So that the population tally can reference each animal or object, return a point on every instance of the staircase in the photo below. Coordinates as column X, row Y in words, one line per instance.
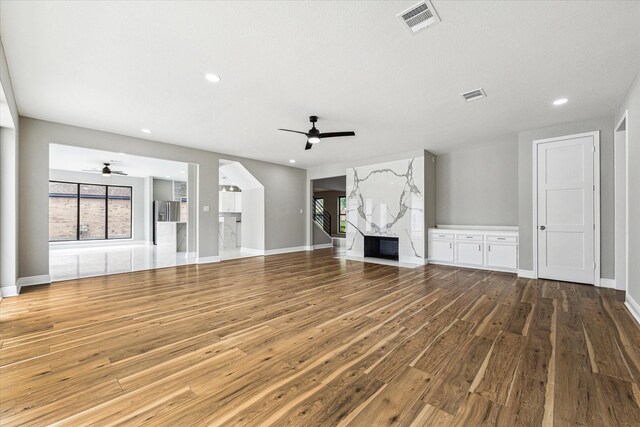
column 321, row 217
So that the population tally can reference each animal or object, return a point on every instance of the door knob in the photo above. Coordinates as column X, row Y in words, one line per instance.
column 542, row 227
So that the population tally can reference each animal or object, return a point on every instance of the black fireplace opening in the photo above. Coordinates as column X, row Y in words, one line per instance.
column 381, row 247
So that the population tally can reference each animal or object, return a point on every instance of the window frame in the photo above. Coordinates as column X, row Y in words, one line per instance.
column 340, row 215
column 106, row 212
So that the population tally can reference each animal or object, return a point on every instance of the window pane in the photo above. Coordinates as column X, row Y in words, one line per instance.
column 92, row 211
column 119, row 217
column 63, row 211
column 343, row 205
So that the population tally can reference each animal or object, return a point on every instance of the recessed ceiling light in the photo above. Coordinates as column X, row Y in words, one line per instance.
column 145, row 130
column 560, row 101
column 292, row 161
column 182, row 172
column 122, row 154
column 212, row 77
column 168, row 176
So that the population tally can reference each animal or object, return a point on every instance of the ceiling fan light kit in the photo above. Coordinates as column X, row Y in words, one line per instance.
column 314, row 135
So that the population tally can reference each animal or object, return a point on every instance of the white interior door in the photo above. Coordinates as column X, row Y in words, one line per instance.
column 566, row 209
column 620, row 207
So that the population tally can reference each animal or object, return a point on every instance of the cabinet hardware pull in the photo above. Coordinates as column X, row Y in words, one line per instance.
column 450, row 247
column 479, row 247
column 489, row 248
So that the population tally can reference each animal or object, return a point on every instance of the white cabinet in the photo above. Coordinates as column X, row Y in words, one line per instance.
column 229, row 201
column 501, row 256
column 441, row 250
column 488, row 249
column 469, row 253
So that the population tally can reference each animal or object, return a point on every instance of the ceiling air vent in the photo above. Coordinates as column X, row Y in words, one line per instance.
column 474, row 94
column 419, row 17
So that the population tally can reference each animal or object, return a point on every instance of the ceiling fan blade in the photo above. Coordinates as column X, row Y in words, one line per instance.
column 308, row 146
column 335, row 134
column 118, row 173
column 91, row 170
column 294, row 131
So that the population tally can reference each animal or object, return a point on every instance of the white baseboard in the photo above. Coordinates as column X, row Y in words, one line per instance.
column 33, row 280
column 527, row 274
column 413, row 260
column 608, row 283
column 474, row 267
column 252, row 251
column 323, row 246
column 9, row 291
column 633, row 307
column 208, row 259
column 288, row 250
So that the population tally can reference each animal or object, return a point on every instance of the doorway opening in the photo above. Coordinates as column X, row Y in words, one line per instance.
column 103, row 213
column 241, row 212
column 329, row 213
column 566, row 208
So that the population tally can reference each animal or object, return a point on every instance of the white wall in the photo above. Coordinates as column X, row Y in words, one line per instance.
column 139, row 213
column 631, row 104
column 478, row 186
column 253, row 218
column 9, row 172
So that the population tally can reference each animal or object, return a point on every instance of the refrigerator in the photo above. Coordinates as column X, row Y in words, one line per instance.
column 164, row 211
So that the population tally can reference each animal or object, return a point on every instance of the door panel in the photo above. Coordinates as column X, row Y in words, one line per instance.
column 566, row 209
column 502, row 256
column 441, row 251
column 469, row 253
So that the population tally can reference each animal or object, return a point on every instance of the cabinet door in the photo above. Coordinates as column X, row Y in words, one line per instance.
column 237, row 202
column 441, row 251
column 502, row 256
column 226, row 201
column 469, row 253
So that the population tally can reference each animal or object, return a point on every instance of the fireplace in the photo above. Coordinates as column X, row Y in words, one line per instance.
column 381, row 247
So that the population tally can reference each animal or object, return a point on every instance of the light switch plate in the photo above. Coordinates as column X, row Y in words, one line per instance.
column 300, row 210
column 205, row 209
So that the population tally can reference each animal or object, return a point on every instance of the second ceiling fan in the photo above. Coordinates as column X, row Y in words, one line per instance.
column 314, row 135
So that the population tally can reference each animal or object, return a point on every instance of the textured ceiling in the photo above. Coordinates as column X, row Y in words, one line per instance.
column 123, row 66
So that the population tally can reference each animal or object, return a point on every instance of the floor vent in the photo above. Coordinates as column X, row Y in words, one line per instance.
column 419, row 17
column 474, row 94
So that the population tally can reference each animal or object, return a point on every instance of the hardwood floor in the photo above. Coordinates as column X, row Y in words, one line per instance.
column 307, row 339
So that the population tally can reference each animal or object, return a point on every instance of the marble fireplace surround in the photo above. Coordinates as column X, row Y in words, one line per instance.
column 387, row 200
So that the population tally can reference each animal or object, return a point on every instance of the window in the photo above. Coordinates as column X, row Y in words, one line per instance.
column 342, row 214
column 89, row 211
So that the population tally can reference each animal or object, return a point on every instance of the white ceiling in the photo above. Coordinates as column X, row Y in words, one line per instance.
column 65, row 157
column 123, row 66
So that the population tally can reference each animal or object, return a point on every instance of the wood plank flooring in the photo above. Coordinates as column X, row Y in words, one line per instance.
column 307, row 339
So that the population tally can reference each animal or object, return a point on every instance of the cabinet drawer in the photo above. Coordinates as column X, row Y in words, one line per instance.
column 470, row 237
column 441, row 236
column 502, row 239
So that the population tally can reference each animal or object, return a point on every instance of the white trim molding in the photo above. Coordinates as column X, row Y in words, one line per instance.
column 288, row 250
column 527, row 274
column 323, row 246
column 33, row 280
column 607, row 283
column 208, row 260
column 633, row 307
column 9, row 291
column 251, row 251
column 480, row 227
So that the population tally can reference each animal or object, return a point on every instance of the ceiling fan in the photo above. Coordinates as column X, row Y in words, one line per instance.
column 105, row 171
column 314, row 135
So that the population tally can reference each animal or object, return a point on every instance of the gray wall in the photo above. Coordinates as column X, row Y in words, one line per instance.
column 632, row 104
column 479, row 186
column 162, row 190
column 525, row 187
column 138, row 187
column 284, row 188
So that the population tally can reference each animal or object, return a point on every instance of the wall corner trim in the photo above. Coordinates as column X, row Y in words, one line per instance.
column 33, row 280
column 208, row 259
column 633, row 307
column 527, row 274
column 9, row 291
